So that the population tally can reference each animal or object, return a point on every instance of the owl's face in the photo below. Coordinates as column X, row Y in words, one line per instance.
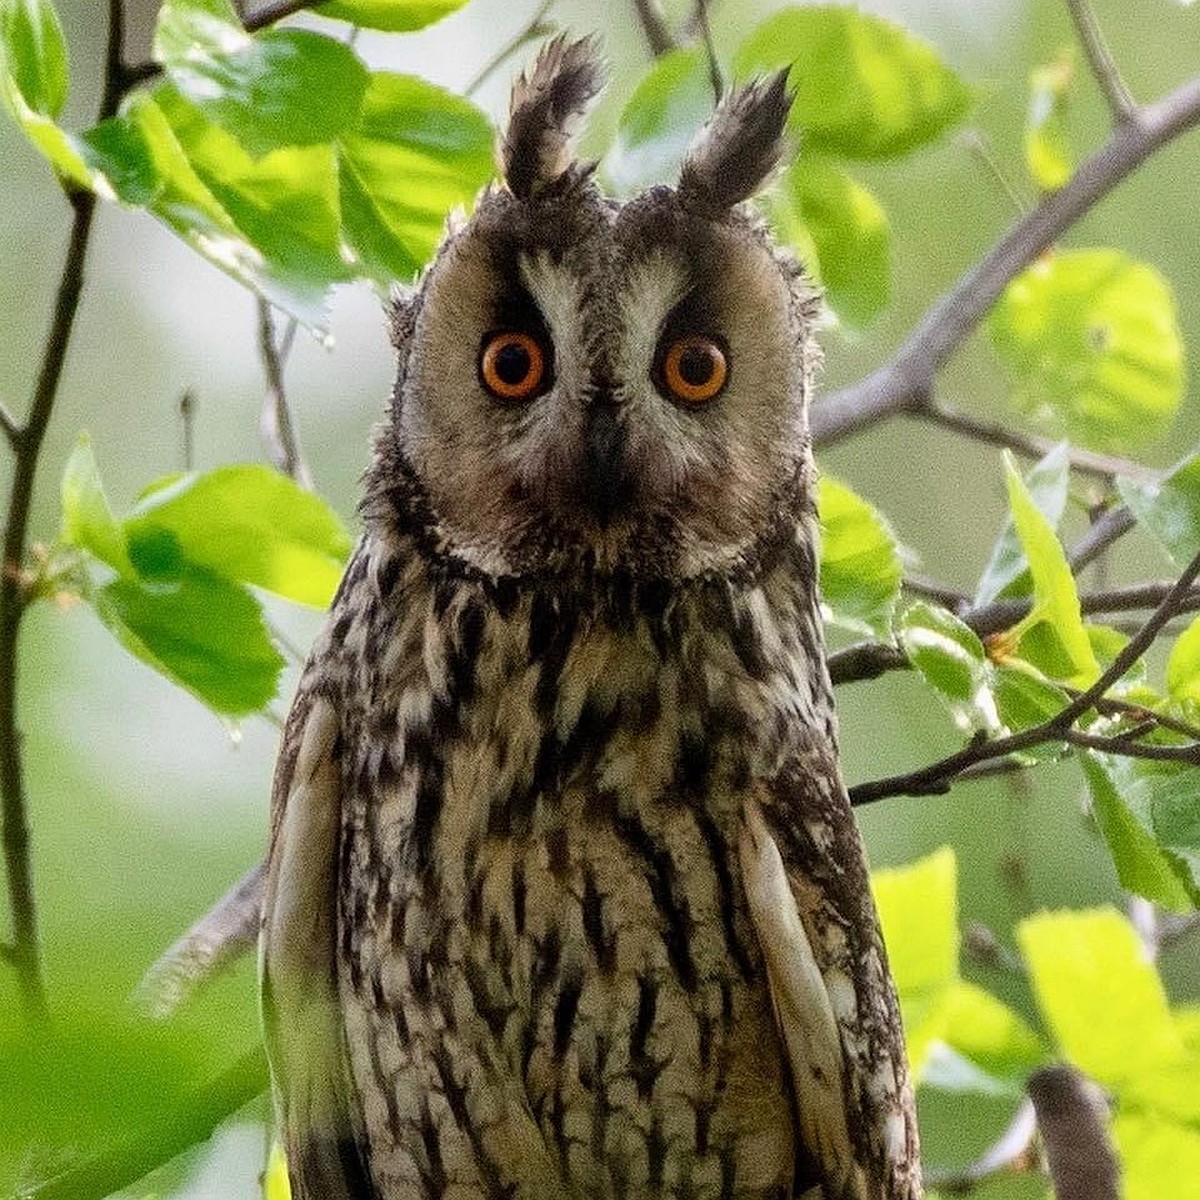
column 618, row 384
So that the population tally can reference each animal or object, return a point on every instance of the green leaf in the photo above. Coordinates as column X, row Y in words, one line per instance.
column 1122, row 792
column 1183, row 666
column 1091, row 340
column 860, row 564
column 1170, row 509
column 918, row 912
column 1159, row 1158
column 657, row 124
column 284, row 203
column 34, row 54
column 278, row 88
column 1053, row 635
column 1024, row 696
column 395, row 16
column 416, row 152
column 1096, row 990
column 865, row 87
column 1007, row 571
column 1048, row 153
column 820, row 206
column 246, row 523
column 991, row 1036
column 200, row 631
column 87, row 520
column 951, row 659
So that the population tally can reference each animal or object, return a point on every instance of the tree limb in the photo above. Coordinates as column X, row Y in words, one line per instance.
column 1104, row 67
column 991, row 433
column 1072, row 1119
column 654, row 27
column 905, row 382
column 276, row 427
column 937, row 777
column 27, row 449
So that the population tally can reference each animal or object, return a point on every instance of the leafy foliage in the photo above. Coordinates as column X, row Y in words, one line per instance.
column 284, row 160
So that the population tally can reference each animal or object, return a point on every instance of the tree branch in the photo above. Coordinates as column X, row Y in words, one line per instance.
column 937, row 777
column 905, row 382
column 535, row 27
column 1088, row 462
column 273, row 11
column 715, row 80
column 9, row 426
column 27, row 449
column 176, row 1130
column 654, row 27
column 275, row 421
column 1072, row 1118
column 1104, row 67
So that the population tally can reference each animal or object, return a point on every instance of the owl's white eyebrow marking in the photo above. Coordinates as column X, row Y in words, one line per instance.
column 652, row 289
column 556, row 292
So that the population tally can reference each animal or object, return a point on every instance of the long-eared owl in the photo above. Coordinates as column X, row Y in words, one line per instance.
column 565, row 898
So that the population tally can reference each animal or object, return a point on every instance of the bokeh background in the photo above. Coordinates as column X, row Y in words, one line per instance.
column 145, row 807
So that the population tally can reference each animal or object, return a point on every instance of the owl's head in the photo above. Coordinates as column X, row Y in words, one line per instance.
column 616, row 386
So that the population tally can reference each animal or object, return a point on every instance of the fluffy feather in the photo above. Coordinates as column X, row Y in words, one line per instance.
column 545, row 104
column 739, row 147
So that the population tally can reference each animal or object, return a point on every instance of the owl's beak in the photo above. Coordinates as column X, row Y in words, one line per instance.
column 607, row 485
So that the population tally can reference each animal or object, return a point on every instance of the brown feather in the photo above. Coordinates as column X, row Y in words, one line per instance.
column 739, row 147
column 545, row 104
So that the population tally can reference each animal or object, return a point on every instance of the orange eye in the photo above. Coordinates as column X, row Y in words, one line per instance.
column 694, row 369
column 512, row 366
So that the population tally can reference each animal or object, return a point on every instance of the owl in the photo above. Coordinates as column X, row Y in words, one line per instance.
column 564, row 894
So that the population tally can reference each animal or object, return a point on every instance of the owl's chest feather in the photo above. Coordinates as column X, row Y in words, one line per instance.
column 545, row 941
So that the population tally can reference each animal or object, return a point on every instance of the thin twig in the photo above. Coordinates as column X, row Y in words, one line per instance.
column 654, row 27
column 1104, row 67
column 275, row 10
column 173, row 1131
column 1088, row 462
column 715, row 79
column 905, row 382
column 276, row 427
column 976, row 145
column 1126, row 747
column 869, row 660
column 1073, row 1119
column 187, row 418
column 938, row 776
column 10, row 426
column 533, row 28
column 26, row 956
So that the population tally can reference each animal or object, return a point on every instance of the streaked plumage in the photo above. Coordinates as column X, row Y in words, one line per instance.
column 565, row 898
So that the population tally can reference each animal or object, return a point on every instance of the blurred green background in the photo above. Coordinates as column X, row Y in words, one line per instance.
column 145, row 807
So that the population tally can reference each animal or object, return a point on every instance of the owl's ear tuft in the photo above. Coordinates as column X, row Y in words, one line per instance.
column 739, row 147
column 545, row 104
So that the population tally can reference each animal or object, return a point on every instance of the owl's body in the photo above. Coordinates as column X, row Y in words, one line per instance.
column 565, row 897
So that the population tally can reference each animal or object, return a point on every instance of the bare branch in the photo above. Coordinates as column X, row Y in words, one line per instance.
column 700, row 17
column 938, row 776
column 1088, row 462
column 9, row 426
column 215, row 941
column 175, row 1129
column 273, row 11
column 1104, row 67
column 25, row 956
column 275, row 422
column 534, row 28
column 1072, row 1118
column 905, row 382
column 654, row 27
column 1012, row 1151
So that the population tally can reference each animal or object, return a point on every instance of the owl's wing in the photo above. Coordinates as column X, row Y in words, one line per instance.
column 810, row 903
column 306, row 1041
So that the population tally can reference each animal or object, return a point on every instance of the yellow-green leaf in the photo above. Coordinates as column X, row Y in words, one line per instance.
column 1092, row 343
column 1048, row 153
column 1099, row 994
column 1053, row 635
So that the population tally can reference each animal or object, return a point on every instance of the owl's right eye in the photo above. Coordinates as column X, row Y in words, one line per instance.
column 512, row 366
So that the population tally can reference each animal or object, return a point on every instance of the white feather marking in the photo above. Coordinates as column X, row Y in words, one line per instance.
column 802, row 1009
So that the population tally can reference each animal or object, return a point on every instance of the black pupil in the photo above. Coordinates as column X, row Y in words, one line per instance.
column 512, row 364
column 696, row 366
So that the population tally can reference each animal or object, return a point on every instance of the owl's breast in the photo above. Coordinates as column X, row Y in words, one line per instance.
column 548, row 970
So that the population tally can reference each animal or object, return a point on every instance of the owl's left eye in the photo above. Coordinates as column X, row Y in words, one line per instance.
column 512, row 366
column 693, row 369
